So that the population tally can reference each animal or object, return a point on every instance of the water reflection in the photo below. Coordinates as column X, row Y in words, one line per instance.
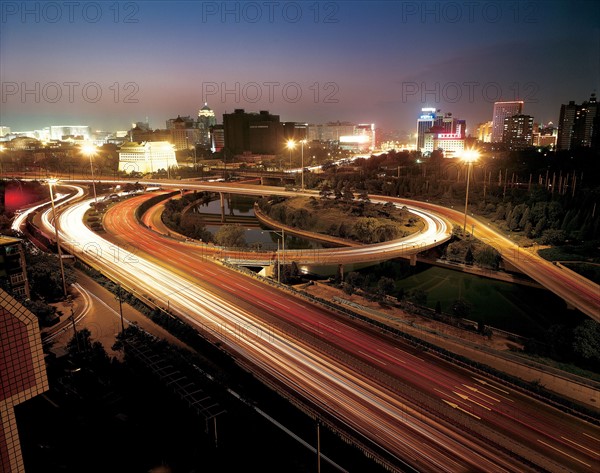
column 257, row 235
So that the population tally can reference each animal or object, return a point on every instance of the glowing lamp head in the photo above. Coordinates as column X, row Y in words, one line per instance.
column 53, row 181
column 88, row 149
column 291, row 144
column 470, row 155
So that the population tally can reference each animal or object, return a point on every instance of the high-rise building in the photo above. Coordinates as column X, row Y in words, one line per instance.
column 446, row 134
column 22, row 374
column 217, row 138
column 503, row 110
column 518, row 131
column 185, row 133
column 260, row 133
column 12, row 266
column 424, row 123
column 578, row 125
column 206, row 120
column 147, row 157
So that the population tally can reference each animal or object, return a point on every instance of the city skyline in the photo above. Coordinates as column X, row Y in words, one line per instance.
column 110, row 65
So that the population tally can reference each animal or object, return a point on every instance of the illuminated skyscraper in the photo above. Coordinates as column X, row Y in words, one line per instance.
column 504, row 110
column 424, row 123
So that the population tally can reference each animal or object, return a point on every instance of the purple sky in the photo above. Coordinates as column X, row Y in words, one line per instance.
column 306, row 61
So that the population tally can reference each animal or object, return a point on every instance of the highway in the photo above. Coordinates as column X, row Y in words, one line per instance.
column 579, row 293
column 401, row 404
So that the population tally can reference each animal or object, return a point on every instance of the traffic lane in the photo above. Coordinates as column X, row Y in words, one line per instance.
column 284, row 304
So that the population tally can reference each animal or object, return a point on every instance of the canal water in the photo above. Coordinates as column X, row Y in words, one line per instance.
column 256, row 234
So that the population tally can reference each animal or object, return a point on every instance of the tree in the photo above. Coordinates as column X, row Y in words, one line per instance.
column 461, row 309
column 326, row 191
column 487, row 257
column 364, row 229
column 586, row 342
column 469, row 256
column 355, row 279
column 385, row 286
column 347, row 194
column 231, row 236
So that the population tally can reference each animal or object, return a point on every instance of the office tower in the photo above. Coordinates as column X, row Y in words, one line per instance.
column 578, row 125
column 518, row 131
column 503, row 110
column 260, row 133
column 206, row 120
column 424, row 123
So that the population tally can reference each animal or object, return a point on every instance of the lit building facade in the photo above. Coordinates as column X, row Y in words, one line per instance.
column 146, row 157
column 22, row 374
column 424, row 123
column 518, row 131
column 484, row 132
column 75, row 131
column 206, row 120
column 448, row 137
column 217, row 138
column 504, row 110
column 330, row 132
column 545, row 136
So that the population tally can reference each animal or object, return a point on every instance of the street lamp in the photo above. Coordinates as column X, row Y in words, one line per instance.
column 90, row 150
column 302, row 142
column 469, row 157
column 291, row 144
column 52, row 182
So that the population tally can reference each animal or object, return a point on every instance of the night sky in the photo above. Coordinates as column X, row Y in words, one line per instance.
column 306, row 61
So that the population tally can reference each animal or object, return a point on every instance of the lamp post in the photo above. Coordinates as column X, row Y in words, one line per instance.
column 291, row 144
column 469, row 157
column 51, row 182
column 90, row 150
column 302, row 160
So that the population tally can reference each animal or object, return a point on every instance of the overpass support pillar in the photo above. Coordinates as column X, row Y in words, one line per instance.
column 221, row 196
column 413, row 260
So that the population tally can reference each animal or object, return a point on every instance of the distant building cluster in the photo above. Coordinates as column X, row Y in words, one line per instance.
column 248, row 136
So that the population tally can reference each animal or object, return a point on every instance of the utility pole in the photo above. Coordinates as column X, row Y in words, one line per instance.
column 318, row 448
